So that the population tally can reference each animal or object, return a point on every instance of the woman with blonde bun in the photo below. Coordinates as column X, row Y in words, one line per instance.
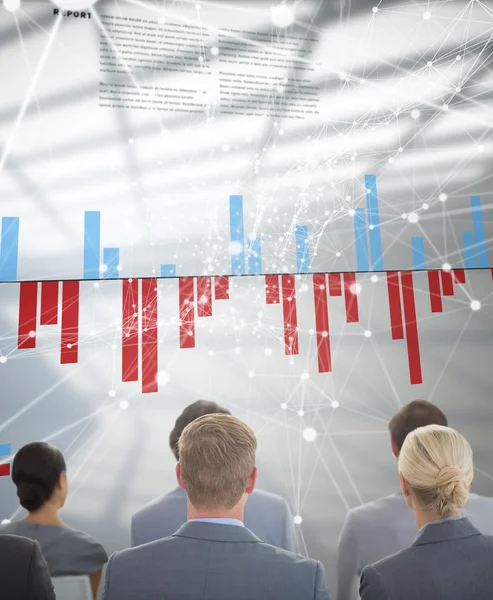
column 449, row 559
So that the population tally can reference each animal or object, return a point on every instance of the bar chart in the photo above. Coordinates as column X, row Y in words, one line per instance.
column 246, row 251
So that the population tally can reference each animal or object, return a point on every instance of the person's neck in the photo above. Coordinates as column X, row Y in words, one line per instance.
column 218, row 513
column 423, row 518
column 46, row 515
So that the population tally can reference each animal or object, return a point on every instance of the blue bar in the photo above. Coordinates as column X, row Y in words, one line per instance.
column 374, row 222
column 5, row 449
column 469, row 255
column 477, row 219
column 111, row 258
column 361, row 240
column 302, row 249
column 237, row 233
column 168, row 270
column 92, row 244
column 9, row 248
column 254, row 257
column 419, row 258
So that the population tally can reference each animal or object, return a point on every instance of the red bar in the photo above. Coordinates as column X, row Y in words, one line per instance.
column 460, row 276
column 352, row 314
column 204, row 296
column 49, row 303
column 335, row 288
column 187, row 323
column 411, row 328
column 435, row 291
column 272, row 289
column 447, row 283
column 28, row 307
column 289, row 315
column 222, row 288
column 5, row 470
column 322, row 323
column 130, row 330
column 149, row 336
column 395, row 306
column 69, row 351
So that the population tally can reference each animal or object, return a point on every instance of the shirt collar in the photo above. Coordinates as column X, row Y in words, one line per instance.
column 438, row 521
column 219, row 521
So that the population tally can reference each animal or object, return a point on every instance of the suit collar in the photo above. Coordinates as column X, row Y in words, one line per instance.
column 444, row 531
column 215, row 532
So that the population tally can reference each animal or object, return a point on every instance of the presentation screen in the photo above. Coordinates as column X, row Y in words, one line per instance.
column 285, row 207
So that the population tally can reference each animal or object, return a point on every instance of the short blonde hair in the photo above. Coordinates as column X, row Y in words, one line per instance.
column 436, row 462
column 217, row 457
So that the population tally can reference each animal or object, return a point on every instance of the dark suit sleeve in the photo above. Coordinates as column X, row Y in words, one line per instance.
column 39, row 586
column 107, row 575
column 372, row 586
column 321, row 591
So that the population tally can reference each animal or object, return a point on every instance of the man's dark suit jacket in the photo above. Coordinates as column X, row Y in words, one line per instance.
column 24, row 574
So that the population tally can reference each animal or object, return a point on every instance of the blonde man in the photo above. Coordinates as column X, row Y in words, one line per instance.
column 214, row 556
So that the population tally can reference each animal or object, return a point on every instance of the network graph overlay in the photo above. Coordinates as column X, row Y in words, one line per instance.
column 246, row 252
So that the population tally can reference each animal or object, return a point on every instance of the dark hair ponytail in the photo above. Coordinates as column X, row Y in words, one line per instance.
column 35, row 471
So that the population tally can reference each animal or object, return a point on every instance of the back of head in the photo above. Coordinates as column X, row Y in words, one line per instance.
column 35, row 471
column 189, row 414
column 437, row 463
column 417, row 413
column 217, row 458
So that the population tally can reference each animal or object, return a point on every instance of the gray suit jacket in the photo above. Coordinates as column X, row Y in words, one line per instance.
column 267, row 515
column 382, row 528
column 208, row 561
column 449, row 560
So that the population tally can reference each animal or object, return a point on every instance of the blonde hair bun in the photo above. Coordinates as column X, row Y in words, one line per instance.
column 451, row 486
column 436, row 462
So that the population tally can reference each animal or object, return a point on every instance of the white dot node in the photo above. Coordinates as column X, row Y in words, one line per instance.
column 335, row 404
column 96, row 284
column 446, row 267
column 355, row 289
column 305, row 376
column 130, row 141
column 391, row 160
column 325, row 334
column 480, row 148
column 444, row 106
column 415, row 114
column 404, row 215
column 301, row 413
column 69, row 346
column 5, row 522
column 426, row 16
column 251, row 374
column 214, row 51
column 236, row 248
column 162, row 378
column 284, row 406
column 201, row 59
column 375, row 9
column 458, row 89
column 413, row 217
column 282, row 15
column 112, row 393
column 11, row 6
column 475, row 305
column 113, row 346
column 351, row 212
column 268, row 352
column 458, row 57
column 374, row 278
column 425, row 206
column 401, row 149
column 124, row 405
column 442, row 197
column 429, row 64
column 338, row 254
column 367, row 334
column 32, row 334
column 3, row 359
column 309, row 434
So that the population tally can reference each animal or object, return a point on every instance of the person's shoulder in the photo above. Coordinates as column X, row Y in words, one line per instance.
column 280, row 558
column 158, row 504
column 140, row 554
column 376, row 510
column 268, row 499
column 82, row 541
column 9, row 541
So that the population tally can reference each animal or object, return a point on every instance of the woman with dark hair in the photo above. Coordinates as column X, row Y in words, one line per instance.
column 39, row 473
